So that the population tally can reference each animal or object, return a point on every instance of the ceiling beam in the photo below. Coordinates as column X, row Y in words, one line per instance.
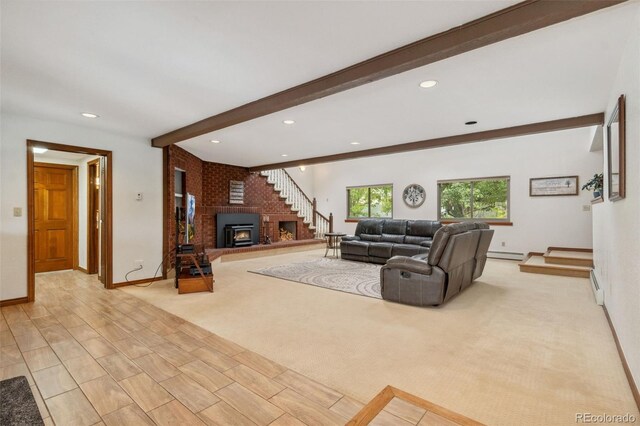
column 505, row 132
column 513, row 21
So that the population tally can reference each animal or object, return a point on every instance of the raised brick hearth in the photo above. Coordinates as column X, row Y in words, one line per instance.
column 209, row 182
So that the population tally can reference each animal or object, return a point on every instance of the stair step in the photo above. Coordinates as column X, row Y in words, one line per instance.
column 535, row 264
column 569, row 257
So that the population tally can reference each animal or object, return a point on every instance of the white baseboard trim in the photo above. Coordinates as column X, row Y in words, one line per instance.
column 598, row 293
column 505, row 255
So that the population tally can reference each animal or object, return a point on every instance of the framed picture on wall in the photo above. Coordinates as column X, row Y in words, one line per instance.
column 553, row 186
column 236, row 192
column 616, row 151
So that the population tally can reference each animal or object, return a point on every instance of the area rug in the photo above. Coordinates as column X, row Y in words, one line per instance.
column 17, row 402
column 335, row 274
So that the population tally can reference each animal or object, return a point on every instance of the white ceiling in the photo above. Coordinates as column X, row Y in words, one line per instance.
column 150, row 67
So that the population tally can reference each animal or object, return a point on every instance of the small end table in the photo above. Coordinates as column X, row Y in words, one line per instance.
column 333, row 242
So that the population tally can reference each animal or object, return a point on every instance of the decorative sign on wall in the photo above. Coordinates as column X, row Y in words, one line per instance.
column 562, row 185
column 236, row 192
column 414, row 195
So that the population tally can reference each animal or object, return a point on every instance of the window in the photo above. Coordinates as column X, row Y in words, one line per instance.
column 370, row 201
column 180, row 183
column 482, row 198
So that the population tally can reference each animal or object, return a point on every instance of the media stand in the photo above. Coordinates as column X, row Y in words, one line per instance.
column 186, row 282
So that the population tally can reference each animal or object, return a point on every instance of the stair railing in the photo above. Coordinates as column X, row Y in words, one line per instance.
column 299, row 201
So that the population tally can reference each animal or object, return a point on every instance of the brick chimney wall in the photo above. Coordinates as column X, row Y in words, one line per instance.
column 209, row 182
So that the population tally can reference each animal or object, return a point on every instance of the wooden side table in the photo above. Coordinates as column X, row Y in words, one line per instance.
column 333, row 243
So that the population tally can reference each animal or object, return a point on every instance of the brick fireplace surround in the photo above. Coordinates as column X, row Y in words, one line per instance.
column 209, row 182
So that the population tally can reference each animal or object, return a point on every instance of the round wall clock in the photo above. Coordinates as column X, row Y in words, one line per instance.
column 414, row 195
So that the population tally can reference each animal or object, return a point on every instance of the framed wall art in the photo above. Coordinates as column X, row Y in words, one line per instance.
column 616, row 151
column 414, row 195
column 236, row 192
column 553, row 186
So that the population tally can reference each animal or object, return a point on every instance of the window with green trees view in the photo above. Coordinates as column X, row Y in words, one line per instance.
column 484, row 199
column 370, row 201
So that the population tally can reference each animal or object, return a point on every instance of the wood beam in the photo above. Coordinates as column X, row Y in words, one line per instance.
column 506, row 132
column 513, row 21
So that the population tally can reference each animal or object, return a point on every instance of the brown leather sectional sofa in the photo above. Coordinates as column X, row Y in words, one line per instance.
column 456, row 258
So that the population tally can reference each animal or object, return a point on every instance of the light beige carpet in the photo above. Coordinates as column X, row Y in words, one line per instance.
column 514, row 348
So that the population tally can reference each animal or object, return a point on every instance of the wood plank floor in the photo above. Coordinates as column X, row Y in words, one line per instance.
column 95, row 356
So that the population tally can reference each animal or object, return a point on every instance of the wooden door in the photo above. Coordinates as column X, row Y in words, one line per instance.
column 54, row 198
column 93, row 216
column 103, row 223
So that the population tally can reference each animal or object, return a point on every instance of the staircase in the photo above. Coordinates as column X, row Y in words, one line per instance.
column 560, row 261
column 304, row 207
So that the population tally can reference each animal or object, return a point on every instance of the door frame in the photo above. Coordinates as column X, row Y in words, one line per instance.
column 108, row 209
column 74, row 207
column 92, row 221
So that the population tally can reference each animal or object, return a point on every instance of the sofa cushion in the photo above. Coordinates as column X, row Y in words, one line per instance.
column 357, row 248
column 407, row 250
column 394, row 226
column 411, row 264
column 392, row 238
column 423, row 228
column 427, row 243
column 442, row 237
column 410, row 239
column 369, row 226
column 370, row 237
column 350, row 238
column 422, row 256
column 460, row 249
column 380, row 250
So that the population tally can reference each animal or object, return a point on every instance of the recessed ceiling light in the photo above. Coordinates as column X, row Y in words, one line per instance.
column 471, row 123
column 303, row 168
column 288, row 121
column 428, row 83
column 89, row 115
column 284, row 155
column 355, row 143
column 215, row 141
column 39, row 150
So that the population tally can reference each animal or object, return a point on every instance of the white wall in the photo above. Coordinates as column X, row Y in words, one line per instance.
column 617, row 224
column 538, row 222
column 137, row 225
column 304, row 179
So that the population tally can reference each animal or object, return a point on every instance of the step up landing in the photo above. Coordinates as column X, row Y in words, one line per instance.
column 560, row 261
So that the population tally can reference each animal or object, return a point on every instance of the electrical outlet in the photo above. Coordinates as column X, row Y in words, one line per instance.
column 586, row 208
column 503, row 244
column 138, row 264
column 17, row 211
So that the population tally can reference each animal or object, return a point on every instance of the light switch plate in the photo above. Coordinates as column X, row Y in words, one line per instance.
column 17, row 211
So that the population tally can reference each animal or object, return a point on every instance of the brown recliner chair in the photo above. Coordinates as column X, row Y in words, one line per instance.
column 456, row 258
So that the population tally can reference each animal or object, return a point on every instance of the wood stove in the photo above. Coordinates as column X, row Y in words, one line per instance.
column 240, row 235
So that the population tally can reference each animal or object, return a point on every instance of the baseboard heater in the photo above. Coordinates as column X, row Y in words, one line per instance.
column 597, row 291
column 505, row 255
